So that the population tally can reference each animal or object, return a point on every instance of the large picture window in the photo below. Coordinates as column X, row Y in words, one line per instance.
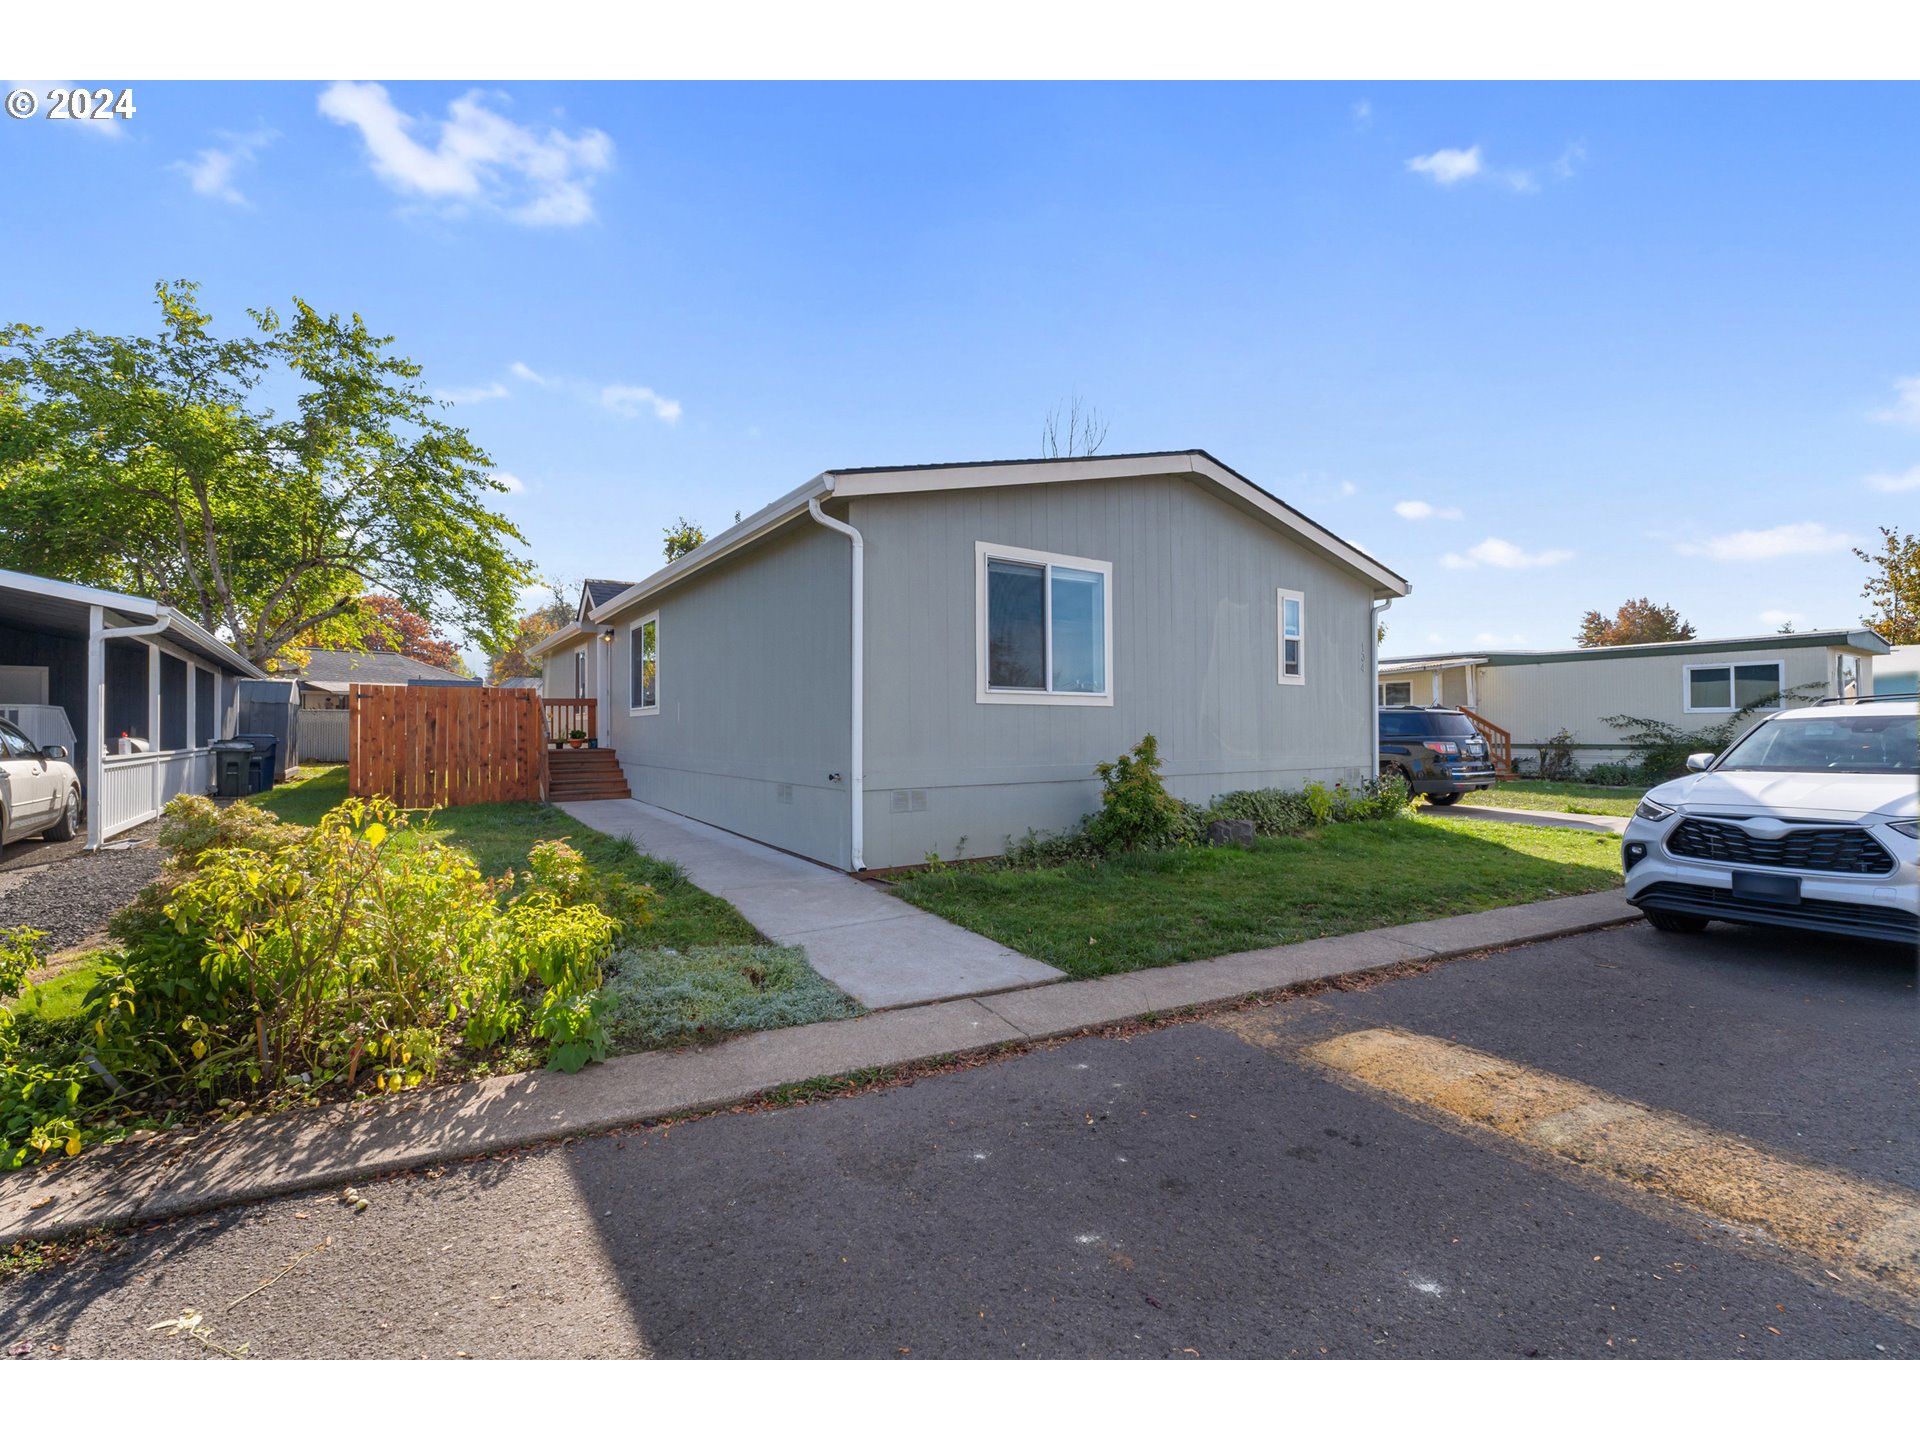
column 1045, row 627
column 1726, row 688
column 1293, row 638
column 643, row 669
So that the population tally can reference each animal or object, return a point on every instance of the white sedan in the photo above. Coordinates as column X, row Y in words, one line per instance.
column 38, row 790
column 1811, row 820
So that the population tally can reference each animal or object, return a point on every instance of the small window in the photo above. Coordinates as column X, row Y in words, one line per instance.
column 580, row 674
column 1045, row 627
column 1734, row 687
column 1293, row 642
column 1397, row 692
column 644, row 666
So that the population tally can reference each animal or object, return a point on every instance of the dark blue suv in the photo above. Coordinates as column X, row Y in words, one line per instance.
column 1435, row 750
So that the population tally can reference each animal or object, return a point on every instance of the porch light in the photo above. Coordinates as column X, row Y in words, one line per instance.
column 606, row 634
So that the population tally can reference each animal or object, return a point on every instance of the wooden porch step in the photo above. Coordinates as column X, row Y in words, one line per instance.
column 585, row 775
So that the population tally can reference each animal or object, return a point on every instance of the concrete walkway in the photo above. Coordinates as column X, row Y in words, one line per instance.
column 157, row 1178
column 882, row 951
column 1553, row 819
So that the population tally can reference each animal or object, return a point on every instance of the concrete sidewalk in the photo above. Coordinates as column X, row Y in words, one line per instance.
column 880, row 950
column 1553, row 819
column 161, row 1177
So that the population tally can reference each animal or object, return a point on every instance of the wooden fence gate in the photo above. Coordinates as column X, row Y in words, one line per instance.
column 424, row 745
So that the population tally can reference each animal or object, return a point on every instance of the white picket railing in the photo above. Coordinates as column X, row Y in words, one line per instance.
column 134, row 787
column 323, row 737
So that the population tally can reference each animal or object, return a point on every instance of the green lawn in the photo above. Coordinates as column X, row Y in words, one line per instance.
column 499, row 837
column 1164, row 907
column 1559, row 795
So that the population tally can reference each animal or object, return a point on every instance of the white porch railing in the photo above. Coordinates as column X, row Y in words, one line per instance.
column 134, row 787
column 44, row 725
column 323, row 737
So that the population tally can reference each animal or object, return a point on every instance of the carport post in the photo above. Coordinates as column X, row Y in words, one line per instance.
column 96, row 721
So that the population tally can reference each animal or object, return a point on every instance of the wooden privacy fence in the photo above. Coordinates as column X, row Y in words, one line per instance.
column 424, row 745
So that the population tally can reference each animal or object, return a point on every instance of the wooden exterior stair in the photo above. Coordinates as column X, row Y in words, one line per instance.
column 585, row 775
column 1499, row 743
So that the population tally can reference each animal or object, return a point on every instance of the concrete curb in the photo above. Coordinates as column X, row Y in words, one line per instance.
column 167, row 1176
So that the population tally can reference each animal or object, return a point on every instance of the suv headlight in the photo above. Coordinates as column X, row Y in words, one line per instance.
column 1908, row 828
column 1650, row 809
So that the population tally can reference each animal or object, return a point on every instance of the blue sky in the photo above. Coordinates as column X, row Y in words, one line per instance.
column 1540, row 348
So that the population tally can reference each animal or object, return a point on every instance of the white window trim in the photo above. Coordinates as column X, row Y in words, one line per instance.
column 985, row 694
column 650, row 618
column 1733, row 694
column 1280, row 620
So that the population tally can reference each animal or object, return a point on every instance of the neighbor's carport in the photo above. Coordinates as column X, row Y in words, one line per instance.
column 79, row 665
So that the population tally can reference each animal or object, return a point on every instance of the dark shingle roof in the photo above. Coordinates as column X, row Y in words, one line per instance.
column 370, row 667
column 601, row 591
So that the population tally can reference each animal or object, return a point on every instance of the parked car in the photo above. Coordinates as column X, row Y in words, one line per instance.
column 1435, row 749
column 1808, row 821
column 38, row 789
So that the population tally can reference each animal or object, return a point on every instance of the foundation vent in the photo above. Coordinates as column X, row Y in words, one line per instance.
column 907, row 801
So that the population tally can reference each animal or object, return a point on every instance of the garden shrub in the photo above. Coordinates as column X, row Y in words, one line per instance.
column 1136, row 811
column 352, row 949
column 1556, row 756
column 1616, row 772
column 40, row 1089
column 1287, row 812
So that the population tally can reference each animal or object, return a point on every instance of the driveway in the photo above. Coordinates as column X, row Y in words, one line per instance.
column 1197, row 1190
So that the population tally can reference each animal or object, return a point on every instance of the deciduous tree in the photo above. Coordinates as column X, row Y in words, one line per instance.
column 156, row 464
column 1638, row 622
column 1893, row 587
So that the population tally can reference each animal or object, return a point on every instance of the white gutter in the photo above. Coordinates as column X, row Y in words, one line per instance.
column 1373, row 657
column 856, row 762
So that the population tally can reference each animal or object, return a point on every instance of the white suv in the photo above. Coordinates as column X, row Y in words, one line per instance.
column 1809, row 821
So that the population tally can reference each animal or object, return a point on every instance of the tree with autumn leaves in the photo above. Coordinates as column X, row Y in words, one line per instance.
column 1638, row 622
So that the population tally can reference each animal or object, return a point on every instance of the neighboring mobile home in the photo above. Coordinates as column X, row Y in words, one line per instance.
column 889, row 663
column 326, row 681
column 1533, row 695
column 82, row 667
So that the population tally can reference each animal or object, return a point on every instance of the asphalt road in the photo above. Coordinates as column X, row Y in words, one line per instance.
column 1181, row 1192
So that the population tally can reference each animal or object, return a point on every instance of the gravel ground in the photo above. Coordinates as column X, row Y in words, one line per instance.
column 70, row 893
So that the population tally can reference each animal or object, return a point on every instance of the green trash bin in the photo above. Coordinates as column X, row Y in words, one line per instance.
column 231, row 759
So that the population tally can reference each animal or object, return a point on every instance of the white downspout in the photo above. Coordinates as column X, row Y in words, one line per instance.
column 856, row 761
column 1373, row 655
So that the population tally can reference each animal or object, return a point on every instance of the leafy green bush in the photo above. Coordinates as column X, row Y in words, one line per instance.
column 352, row 947
column 665, row 997
column 191, row 825
column 1287, row 812
column 1136, row 811
column 1616, row 772
column 39, row 1096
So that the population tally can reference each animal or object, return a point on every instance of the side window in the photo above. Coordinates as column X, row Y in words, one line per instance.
column 643, row 670
column 1293, row 638
column 1045, row 627
column 1397, row 692
column 580, row 674
column 1733, row 687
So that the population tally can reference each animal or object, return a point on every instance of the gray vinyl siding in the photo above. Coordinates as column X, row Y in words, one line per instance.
column 1195, row 660
column 754, row 675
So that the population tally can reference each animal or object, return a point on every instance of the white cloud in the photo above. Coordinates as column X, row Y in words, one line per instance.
column 479, row 157
column 472, row 394
column 211, row 171
column 527, row 372
column 1447, row 167
column 1781, row 617
column 1362, row 113
column 1421, row 510
column 1571, row 159
column 1502, row 555
column 631, row 401
column 1895, row 483
column 512, row 483
column 1347, row 487
column 1905, row 409
column 1807, row 537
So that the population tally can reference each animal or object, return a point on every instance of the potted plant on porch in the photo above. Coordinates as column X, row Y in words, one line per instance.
column 576, row 738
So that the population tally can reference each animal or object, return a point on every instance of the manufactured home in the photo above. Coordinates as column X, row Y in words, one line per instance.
column 1526, row 698
column 885, row 664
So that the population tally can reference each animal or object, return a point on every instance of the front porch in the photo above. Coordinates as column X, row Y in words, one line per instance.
column 586, row 771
